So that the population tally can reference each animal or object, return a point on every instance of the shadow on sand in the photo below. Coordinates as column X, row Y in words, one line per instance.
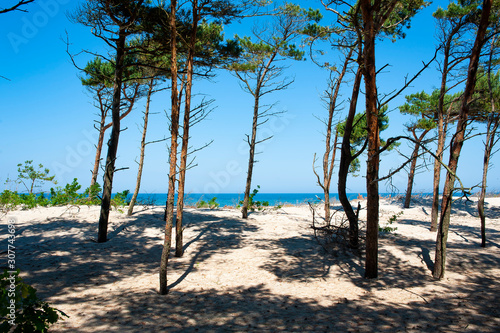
column 61, row 253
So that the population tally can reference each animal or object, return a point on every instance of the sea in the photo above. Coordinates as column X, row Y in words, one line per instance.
column 233, row 199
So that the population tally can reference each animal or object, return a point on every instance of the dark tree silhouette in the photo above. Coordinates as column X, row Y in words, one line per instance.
column 16, row 7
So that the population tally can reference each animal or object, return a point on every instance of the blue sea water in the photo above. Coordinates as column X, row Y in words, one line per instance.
column 232, row 199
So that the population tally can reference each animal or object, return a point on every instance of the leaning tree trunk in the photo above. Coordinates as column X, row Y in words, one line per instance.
column 346, row 160
column 329, row 162
column 437, row 174
column 179, row 250
column 442, row 126
column 113, row 141
column 143, row 151
column 456, row 147
column 169, row 210
column 97, row 160
column 328, row 171
column 372, row 167
column 493, row 123
column 492, row 126
column 251, row 158
column 413, row 166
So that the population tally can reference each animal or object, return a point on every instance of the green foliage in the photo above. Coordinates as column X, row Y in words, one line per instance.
column 390, row 221
column 68, row 194
column 425, row 107
column 359, row 134
column 120, row 199
column 9, row 200
column 460, row 9
column 93, row 194
column 21, row 308
column 290, row 21
column 398, row 20
column 99, row 73
column 253, row 204
column 212, row 203
column 28, row 173
column 481, row 106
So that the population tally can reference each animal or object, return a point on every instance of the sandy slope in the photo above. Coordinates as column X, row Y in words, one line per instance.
column 263, row 274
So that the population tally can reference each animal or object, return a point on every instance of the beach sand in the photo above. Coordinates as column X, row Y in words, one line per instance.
column 264, row 274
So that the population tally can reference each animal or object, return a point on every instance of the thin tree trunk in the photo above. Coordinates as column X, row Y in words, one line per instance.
column 456, row 147
column 179, row 250
column 113, row 141
column 328, row 171
column 442, row 129
column 328, row 168
column 413, row 166
column 169, row 210
column 143, row 150
column 493, row 123
column 97, row 160
column 103, row 127
column 437, row 174
column 329, row 162
column 346, row 160
column 492, row 126
column 372, row 168
column 251, row 159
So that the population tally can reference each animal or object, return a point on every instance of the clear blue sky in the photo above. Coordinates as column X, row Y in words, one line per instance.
column 47, row 116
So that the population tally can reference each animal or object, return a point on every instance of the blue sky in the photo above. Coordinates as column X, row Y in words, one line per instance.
column 47, row 116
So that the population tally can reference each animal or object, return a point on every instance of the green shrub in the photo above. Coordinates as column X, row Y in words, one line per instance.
column 387, row 228
column 120, row 199
column 212, row 203
column 92, row 194
column 20, row 307
column 201, row 204
column 66, row 195
column 253, row 204
column 9, row 200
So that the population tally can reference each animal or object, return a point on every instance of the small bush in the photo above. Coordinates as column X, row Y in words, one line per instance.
column 20, row 307
column 120, row 199
column 253, row 204
column 212, row 203
column 9, row 200
column 66, row 195
column 390, row 221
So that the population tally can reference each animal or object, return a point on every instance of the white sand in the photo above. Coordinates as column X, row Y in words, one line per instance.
column 263, row 274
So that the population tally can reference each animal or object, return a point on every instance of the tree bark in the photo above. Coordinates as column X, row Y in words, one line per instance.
column 329, row 161
column 103, row 127
column 490, row 138
column 179, row 250
column 442, row 124
column 456, row 146
column 492, row 127
column 251, row 158
column 169, row 210
column 345, row 161
column 328, row 168
column 100, row 142
column 372, row 168
column 413, row 166
column 113, row 141
column 143, row 150
column 437, row 174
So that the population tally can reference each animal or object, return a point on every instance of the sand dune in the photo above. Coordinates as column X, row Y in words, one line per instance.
column 264, row 274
